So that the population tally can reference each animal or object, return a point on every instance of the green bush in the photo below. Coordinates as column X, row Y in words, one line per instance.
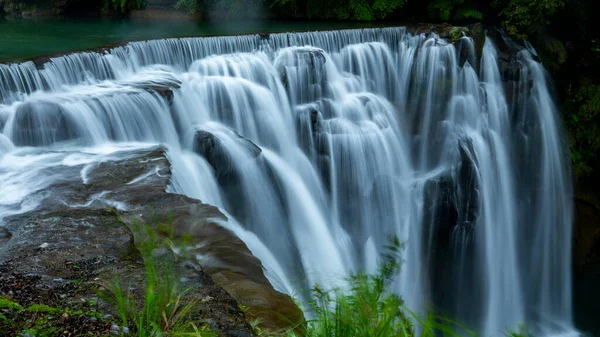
column 582, row 116
column 522, row 18
column 446, row 10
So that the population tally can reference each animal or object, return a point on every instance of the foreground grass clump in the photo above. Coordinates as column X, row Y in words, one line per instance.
column 165, row 306
column 367, row 308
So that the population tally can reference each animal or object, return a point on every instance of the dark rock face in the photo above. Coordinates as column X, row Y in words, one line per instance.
column 218, row 156
column 450, row 222
column 586, row 257
column 477, row 33
column 88, row 245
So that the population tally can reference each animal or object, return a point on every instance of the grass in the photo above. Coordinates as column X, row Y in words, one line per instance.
column 368, row 309
column 365, row 308
column 165, row 306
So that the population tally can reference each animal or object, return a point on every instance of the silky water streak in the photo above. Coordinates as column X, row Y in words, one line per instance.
column 321, row 146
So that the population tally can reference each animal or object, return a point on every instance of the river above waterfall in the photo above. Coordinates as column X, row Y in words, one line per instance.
column 321, row 146
column 28, row 38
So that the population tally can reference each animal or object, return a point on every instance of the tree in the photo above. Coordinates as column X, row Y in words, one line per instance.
column 521, row 18
column 363, row 10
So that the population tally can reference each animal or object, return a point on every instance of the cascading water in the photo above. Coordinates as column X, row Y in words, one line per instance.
column 324, row 145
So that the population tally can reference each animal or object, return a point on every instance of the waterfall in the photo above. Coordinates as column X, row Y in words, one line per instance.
column 321, row 147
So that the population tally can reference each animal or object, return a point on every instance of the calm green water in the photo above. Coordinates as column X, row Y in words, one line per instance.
column 22, row 39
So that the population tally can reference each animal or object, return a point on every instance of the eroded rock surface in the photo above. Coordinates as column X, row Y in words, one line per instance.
column 78, row 240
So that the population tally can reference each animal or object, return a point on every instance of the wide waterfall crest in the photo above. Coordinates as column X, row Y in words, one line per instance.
column 321, row 146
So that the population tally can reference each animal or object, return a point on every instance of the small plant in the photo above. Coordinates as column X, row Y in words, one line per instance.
column 366, row 309
column 165, row 305
column 38, row 319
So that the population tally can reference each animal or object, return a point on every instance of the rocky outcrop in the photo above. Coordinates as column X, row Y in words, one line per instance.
column 443, row 30
column 209, row 146
column 82, row 235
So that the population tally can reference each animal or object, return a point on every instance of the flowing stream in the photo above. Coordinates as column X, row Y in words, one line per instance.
column 321, row 147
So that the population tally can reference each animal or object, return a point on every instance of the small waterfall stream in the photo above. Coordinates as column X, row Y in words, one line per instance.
column 321, row 146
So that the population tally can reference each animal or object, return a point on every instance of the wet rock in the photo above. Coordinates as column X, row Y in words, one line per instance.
column 163, row 86
column 303, row 67
column 449, row 225
column 477, row 32
column 5, row 235
column 87, row 246
column 443, row 30
column 261, row 299
column 218, row 155
column 41, row 123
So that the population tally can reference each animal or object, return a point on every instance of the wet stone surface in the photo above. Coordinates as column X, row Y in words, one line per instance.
column 60, row 256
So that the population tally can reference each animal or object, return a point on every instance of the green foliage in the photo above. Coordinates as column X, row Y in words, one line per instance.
column 553, row 51
column 38, row 319
column 362, row 10
column 453, row 9
column 190, row 6
column 42, row 308
column 522, row 18
column 6, row 303
column 123, row 6
column 468, row 13
column 165, row 305
column 366, row 308
column 443, row 8
column 582, row 116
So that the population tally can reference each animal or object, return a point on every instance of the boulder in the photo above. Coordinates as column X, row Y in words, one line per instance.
column 209, row 146
column 41, row 123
